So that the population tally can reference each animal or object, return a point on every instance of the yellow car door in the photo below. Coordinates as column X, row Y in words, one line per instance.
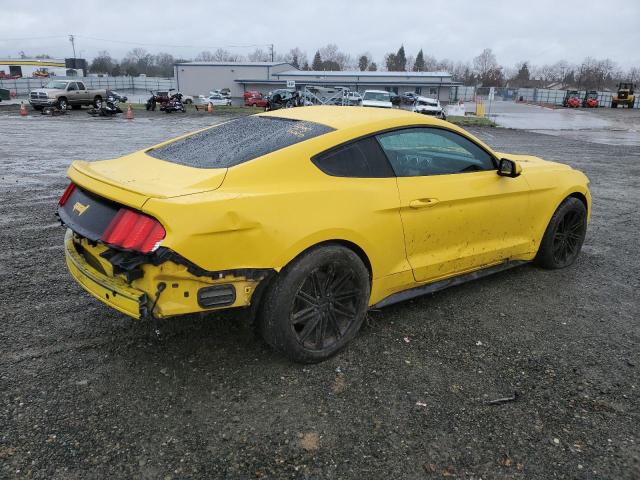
column 457, row 213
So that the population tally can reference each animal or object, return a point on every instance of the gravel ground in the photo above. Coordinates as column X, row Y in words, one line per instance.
column 88, row 393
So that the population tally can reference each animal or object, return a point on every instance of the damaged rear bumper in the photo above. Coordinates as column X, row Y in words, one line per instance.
column 112, row 291
column 159, row 286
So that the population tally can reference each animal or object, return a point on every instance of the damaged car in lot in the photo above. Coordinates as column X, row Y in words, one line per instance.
column 310, row 216
column 429, row 106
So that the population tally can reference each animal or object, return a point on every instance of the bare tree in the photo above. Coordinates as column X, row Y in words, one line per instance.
column 259, row 55
column 484, row 62
column 204, row 56
column 332, row 54
column 102, row 63
column 222, row 55
column 295, row 57
column 411, row 60
column 164, row 64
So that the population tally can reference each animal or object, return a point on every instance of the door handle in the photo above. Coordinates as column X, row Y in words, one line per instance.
column 423, row 202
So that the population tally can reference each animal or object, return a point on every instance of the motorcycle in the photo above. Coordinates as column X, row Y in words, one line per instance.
column 157, row 97
column 174, row 104
column 108, row 108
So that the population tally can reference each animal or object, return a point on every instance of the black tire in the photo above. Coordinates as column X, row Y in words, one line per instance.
column 97, row 101
column 63, row 104
column 316, row 305
column 614, row 105
column 564, row 235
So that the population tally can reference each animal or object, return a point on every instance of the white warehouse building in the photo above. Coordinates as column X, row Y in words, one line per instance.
column 198, row 78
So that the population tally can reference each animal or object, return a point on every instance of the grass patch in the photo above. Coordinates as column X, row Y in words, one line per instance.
column 231, row 109
column 471, row 121
column 217, row 109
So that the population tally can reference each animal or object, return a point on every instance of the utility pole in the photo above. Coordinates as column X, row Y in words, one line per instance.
column 73, row 45
column 271, row 47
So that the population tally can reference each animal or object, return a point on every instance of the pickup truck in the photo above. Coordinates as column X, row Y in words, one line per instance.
column 65, row 94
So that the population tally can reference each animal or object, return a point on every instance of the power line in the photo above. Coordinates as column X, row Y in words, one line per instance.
column 30, row 38
column 143, row 44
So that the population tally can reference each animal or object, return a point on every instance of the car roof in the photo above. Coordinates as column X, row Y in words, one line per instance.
column 339, row 117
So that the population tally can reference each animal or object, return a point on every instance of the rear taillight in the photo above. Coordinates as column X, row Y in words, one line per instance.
column 67, row 193
column 134, row 231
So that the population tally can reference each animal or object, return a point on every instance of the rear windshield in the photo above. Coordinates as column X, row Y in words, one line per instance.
column 238, row 141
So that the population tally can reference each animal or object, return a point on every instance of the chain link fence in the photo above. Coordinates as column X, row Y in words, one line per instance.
column 22, row 86
column 538, row 96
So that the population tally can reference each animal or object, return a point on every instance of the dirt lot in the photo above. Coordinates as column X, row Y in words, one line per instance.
column 86, row 393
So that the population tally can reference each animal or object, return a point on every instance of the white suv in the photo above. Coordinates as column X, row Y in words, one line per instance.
column 376, row 98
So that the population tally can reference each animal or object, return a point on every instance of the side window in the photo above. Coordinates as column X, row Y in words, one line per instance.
column 415, row 152
column 81, row 86
column 72, row 87
column 360, row 159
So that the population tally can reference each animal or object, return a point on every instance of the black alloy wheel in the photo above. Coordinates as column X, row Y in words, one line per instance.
column 563, row 238
column 568, row 237
column 316, row 304
column 325, row 307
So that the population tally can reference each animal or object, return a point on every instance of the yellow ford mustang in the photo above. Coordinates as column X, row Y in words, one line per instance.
column 311, row 216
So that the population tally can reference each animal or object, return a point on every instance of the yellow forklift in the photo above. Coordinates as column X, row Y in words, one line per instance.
column 624, row 96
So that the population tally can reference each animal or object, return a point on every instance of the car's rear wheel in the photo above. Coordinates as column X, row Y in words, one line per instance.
column 564, row 236
column 316, row 305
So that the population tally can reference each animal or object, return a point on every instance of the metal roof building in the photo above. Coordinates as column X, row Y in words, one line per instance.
column 199, row 77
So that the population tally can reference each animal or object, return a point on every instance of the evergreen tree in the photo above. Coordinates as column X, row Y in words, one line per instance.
column 523, row 74
column 363, row 63
column 390, row 62
column 418, row 65
column 317, row 62
column 372, row 67
column 401, row 60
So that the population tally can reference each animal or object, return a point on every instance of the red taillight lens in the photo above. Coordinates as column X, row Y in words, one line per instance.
column 67, row 193
column 134, row 231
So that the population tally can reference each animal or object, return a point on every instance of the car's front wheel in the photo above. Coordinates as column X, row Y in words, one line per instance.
column 316, row 305
column 564, row 236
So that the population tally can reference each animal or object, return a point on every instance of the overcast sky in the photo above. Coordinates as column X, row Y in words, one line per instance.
column 541, row 31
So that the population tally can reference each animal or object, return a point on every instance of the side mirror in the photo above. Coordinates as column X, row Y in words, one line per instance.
column 509, row 168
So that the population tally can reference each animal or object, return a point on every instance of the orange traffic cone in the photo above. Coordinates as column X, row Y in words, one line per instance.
column 129, row 113
column 23, row 110
column 209, row 107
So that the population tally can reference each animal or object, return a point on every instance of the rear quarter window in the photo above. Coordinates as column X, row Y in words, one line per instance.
column 360, row 159
column 238, row 141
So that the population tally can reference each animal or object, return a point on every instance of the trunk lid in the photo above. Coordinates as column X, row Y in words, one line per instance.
column 135, row 178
